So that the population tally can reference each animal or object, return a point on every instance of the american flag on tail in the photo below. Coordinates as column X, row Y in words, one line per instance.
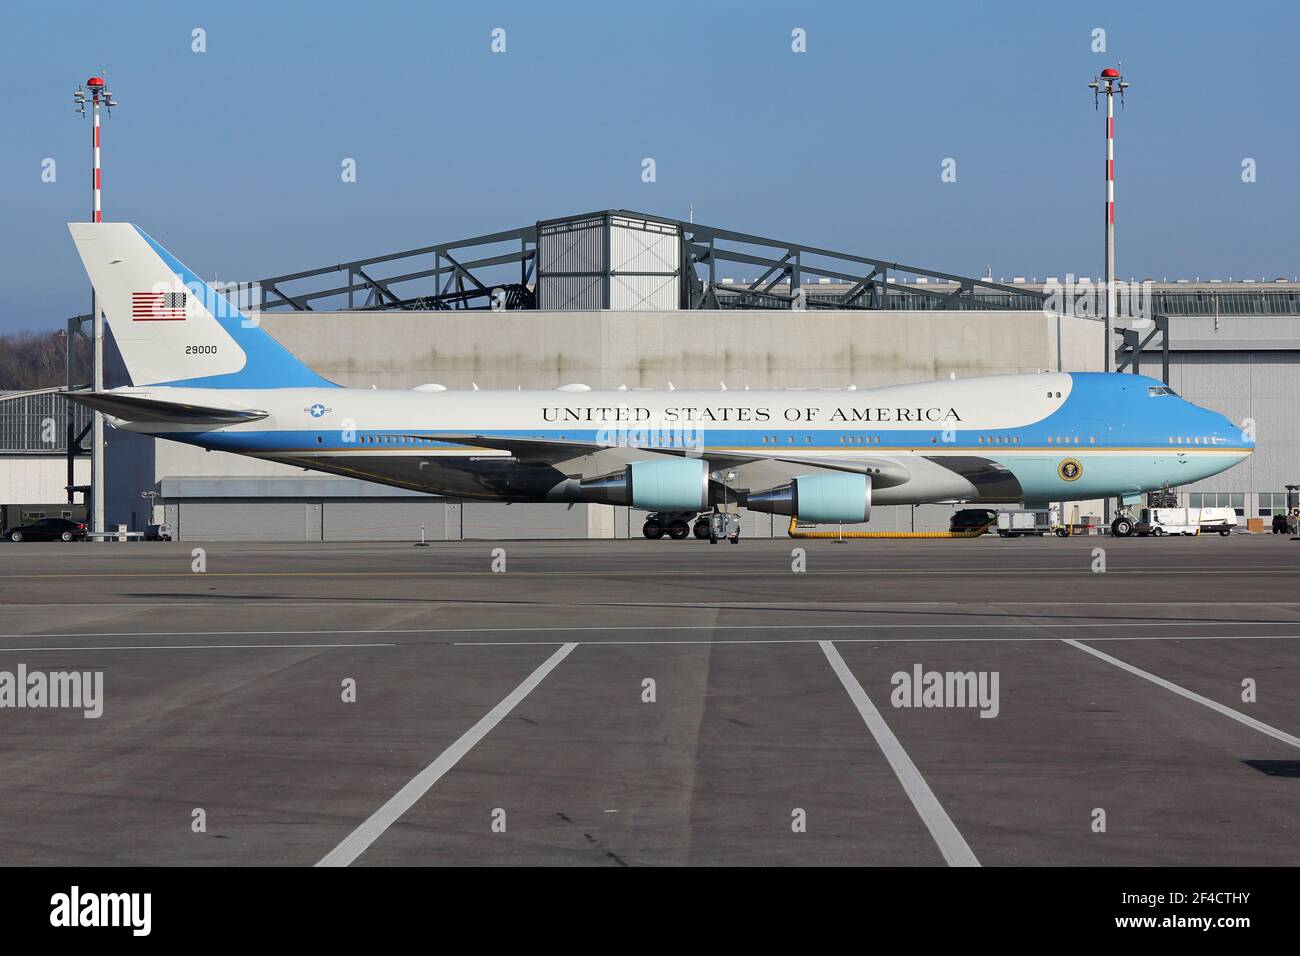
column 157, row 306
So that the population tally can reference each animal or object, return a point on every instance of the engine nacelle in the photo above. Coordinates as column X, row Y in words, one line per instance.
column 676, row 484
column 818, row 498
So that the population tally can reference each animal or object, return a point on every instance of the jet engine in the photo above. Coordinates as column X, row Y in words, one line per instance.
column 676, row 484
column 818, row 498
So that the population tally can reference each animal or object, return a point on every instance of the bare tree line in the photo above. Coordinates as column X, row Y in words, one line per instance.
column 39, row 360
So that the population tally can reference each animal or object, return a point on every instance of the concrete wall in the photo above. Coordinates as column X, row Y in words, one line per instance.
column 603, row 349
column 30, row 478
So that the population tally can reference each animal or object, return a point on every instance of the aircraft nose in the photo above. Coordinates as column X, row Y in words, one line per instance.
column 1242, row 434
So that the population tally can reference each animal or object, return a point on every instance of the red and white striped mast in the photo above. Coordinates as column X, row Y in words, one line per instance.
column 96, row 93
column 1109, row 82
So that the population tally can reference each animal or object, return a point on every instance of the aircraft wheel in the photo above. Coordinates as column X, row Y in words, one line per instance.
column 679, row 530
column 1121, row 527
column 702, row 529
column 653, row 530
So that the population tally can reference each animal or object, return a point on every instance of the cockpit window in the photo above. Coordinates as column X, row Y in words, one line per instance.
column 1161, row 390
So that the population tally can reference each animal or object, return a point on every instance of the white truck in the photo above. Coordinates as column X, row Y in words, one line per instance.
column 1022, row 522
column 1161, row 521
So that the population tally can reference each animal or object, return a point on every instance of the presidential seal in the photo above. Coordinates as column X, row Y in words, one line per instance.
column 1069, row 469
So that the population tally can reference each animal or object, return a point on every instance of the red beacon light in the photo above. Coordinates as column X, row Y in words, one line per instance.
column 95, row 81
column 1110, row 71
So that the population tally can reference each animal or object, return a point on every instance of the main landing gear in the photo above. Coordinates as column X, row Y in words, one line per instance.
column 712, row 526
column 656, row 526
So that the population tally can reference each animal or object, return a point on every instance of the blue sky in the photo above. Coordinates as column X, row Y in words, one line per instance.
column 231, row 158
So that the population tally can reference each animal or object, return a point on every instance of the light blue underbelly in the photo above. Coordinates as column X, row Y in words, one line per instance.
column 1042, row 478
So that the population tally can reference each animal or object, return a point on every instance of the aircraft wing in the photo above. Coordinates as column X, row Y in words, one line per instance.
column 884, row 472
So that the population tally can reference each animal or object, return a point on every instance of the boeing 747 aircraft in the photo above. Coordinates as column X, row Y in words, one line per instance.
column 205, row 374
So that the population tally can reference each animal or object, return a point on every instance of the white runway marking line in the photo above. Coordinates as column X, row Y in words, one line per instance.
column 183, row 647
column 326, row 604
column 875, row 640
column 951, row 843
column 575, row 628
column 1236, row 715
column 368, row 832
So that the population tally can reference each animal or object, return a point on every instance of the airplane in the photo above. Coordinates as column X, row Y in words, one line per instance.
column 204, row 373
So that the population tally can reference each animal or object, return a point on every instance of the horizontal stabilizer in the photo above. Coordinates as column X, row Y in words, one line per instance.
column 137, row 408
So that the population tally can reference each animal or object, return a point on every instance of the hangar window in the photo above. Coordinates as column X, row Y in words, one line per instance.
column 1272, row 503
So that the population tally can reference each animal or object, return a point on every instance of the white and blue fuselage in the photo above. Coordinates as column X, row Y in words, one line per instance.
column 210, row 377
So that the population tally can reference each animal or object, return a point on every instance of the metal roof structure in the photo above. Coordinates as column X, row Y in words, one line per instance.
column 465, row 273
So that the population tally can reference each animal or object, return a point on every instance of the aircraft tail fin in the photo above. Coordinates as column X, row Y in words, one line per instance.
column 170, row 326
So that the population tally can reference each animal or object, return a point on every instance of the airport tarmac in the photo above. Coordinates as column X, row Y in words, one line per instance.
column 502, row 717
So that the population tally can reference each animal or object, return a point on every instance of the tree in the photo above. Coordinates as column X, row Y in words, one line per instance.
column 39, row 360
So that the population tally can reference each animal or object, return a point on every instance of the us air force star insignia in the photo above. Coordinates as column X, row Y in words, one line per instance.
column 1069, row 469
column 317, row 410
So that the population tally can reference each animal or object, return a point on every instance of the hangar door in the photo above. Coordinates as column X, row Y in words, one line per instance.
column 239, row 520
column 370, row 520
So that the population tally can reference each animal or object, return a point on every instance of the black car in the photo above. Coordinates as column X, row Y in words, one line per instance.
column 972, row 519
column 48, row 529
